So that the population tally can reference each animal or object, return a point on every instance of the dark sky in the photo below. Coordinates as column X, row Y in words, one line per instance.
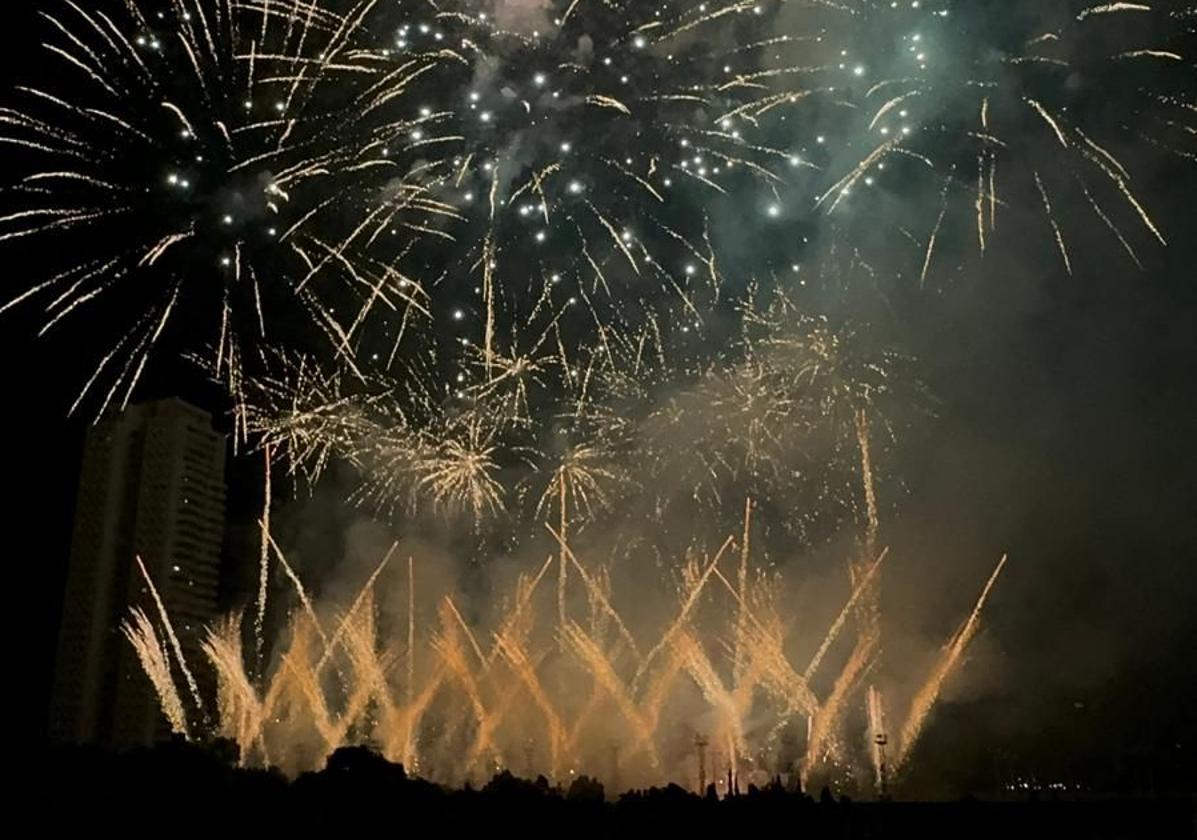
column 1067, row 436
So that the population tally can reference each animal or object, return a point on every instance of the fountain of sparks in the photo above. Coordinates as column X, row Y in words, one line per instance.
column 548, row 692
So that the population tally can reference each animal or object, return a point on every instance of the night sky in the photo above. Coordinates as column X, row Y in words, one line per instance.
column 1065, row 434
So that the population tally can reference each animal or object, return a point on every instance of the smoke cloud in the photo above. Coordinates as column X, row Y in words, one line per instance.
column 524, row 16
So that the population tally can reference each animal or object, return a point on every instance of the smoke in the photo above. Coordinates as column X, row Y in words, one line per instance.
column 523, row 16
column 631, row 576
column 1009, row 434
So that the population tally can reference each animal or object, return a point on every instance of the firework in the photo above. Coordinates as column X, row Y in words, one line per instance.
column 975, row 113
column 925, row 698
column 155, row 663
column 459, row 474
column 529, row 270
column 363, row 697
column 175, row 646
column 193, row 161
column 395, row 180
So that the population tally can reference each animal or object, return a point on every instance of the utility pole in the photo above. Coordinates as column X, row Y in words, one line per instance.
column 700, row 744
column 881, row 739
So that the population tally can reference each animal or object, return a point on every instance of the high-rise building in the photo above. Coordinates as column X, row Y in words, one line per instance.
column 152, row 486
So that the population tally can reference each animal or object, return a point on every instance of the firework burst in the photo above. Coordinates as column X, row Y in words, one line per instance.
column 965, row 113
column 198, row 169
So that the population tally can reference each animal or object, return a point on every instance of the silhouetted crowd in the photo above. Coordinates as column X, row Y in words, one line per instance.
column 184, row 789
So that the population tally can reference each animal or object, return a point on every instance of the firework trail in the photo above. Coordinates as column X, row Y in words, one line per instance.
column 360, row 605
column 598, row 597
column 525, row 671
column 870, row 609
column 411, row 628
column 300, row 590
column 263, row 562
column 176, row 647
column 155, row 662
column 742, row 594
column 926, row 696
column 826, row 721
column 591, row 655
column 239, row 710
column 858, row 590
column 693, row 591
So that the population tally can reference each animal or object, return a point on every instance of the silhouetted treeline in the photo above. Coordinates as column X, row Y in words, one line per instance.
column 184, row 789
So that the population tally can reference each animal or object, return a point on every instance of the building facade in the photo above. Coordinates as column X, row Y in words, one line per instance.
column 152, row 486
